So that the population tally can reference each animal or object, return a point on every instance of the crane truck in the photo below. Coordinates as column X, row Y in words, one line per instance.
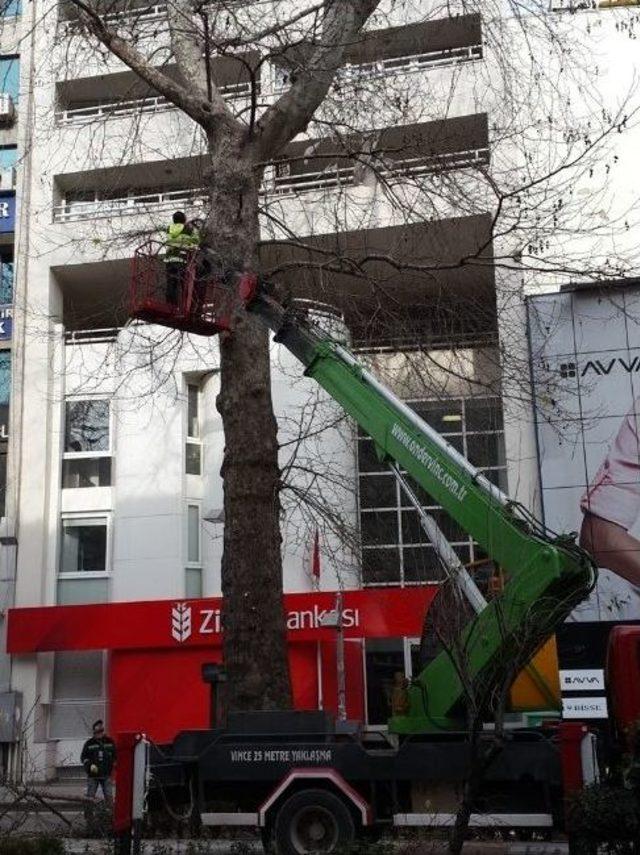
column 311, row 783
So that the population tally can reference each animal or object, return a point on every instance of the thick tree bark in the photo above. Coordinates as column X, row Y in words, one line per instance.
column 255, row 648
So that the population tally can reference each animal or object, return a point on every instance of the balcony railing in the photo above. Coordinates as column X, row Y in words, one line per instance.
column 333, row 176
column 281, row 185
column 409, row 64
column 153, row 12
column 134, row 107
column 126, row 205
column 583, row 5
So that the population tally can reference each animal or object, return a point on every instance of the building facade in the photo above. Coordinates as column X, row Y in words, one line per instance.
column 11, row 114
column 116, row 445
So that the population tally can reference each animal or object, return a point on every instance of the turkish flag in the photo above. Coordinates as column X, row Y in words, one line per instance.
column 315, row 558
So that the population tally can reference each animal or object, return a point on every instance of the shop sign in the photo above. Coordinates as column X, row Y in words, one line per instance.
column 157, row 624
column 585, row 357
column 7, row 212
column 582, row 680
column 581, row 707
column 6, row 322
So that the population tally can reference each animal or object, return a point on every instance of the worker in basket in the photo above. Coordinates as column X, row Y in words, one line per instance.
column 183, row 239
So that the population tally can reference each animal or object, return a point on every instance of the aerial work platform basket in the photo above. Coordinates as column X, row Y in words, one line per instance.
column 185, row 295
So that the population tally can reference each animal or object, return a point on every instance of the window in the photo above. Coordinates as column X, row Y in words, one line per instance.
column 193, row 583
column 83, row 560
column 5, row 377
column 10, row 8
column 84, row 545
column 193, row 572
column 395, row 549
column 78, row 693
column 6, row 275
column 8, row 156
column 87, row 444
column 193, row 534
column 193, row 455
column 384, row 658
column 10, row 75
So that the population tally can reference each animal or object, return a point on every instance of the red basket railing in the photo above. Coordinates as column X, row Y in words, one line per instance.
column 203, row 305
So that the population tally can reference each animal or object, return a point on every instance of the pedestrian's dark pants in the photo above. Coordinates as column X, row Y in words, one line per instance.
column 93, row 816
column 174, row 272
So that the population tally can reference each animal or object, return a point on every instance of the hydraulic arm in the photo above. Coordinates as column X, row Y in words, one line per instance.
column 545, row 575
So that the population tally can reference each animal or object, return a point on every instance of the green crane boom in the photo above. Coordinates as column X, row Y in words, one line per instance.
column 546, row 576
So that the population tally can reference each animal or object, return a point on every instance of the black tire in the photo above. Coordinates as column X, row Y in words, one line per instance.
column 313, row 821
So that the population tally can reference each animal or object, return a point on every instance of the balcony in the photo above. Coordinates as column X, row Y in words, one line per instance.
column 86, row 100
column 584, row 5
column 392, row 155
column 83, row 204
column 151, row 104
column 383, row 53
column 396, row 50
column 69, row 23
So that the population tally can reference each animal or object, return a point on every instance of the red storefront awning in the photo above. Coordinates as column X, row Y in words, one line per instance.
column 172, row 624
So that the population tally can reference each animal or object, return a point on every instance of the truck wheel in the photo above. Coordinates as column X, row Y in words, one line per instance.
column 313, row 821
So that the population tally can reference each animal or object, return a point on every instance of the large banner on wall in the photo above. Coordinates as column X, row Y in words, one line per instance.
column 585, row 352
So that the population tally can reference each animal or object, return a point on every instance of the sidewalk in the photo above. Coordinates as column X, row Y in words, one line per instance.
column 251, row 847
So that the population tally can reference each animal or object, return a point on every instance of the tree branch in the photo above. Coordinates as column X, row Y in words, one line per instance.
column 198, row 108
column 293, row 111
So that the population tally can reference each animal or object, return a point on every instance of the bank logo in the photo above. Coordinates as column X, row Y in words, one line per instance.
column 181, row 621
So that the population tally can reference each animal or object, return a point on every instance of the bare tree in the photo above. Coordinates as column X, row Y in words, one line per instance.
column 381, row 150
column 450, row 627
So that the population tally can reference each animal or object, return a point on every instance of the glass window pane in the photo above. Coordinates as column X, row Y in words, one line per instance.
column 425, row 499
column 10, row 8
column 8, row 155
column 421, row 565
column 379, row 527
column 84, row 546
column 193, row 458
column 86, row 472
column 384, row 658
column 5, row 376
column 10, row 75
column 193, row 534
column 497, row 477
column 6, row 280
column 75, row 592
column 193, row 583
column 193, row 415
column 444, row 416
column 378, row 491
column 380, row 565
column 482, row 414
column 412, row 531
column 485, row 449
column 87, row 426
column 368, row 459
column 456, row 441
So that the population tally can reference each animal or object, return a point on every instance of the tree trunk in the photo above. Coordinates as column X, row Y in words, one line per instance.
column 255, row 646
column 480, row 759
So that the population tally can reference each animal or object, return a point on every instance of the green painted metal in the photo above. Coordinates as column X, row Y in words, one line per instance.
column 546, row 576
